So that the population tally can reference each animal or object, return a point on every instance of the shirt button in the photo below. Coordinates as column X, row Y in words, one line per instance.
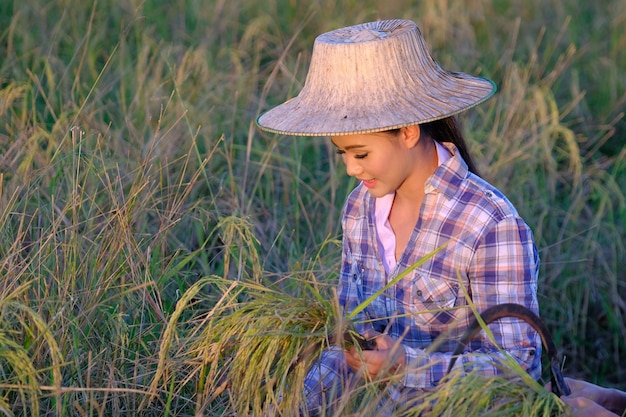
column 418, row 293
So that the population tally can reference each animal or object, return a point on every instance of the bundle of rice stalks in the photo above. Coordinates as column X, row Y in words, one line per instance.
column 262, row 340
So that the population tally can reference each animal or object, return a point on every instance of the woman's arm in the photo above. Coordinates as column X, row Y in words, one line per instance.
column 504, row 269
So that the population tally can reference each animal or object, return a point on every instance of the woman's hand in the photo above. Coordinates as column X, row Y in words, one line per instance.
column 584, row 407
column 588, row 399
column 588, row 390
column 387, row 357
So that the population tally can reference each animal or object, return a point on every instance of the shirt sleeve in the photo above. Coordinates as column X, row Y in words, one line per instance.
column 504, row 269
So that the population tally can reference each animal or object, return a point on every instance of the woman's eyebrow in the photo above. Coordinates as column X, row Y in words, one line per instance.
column 349, row 147
column 354, row 147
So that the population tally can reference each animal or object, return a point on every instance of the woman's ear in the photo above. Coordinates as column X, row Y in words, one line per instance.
column 410, row 135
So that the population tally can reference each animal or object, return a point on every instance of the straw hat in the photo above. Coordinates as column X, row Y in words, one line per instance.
column 373, row 77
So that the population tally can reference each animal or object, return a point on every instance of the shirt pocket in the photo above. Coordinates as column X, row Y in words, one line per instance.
column 365, row 283
column 430, row 301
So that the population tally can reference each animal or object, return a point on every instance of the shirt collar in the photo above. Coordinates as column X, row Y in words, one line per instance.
column 449, row 175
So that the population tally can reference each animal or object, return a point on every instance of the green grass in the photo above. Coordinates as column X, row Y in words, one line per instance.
column 134, row 186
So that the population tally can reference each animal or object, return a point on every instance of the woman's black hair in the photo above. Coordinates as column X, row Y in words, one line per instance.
column 448, row 130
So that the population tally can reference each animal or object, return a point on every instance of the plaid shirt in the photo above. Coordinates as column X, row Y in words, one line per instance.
column 488, row 249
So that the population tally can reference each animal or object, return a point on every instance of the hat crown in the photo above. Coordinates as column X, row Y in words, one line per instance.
column 371, row 77
column 370, row 63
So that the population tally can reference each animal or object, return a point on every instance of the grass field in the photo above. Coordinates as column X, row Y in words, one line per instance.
column 135, row 188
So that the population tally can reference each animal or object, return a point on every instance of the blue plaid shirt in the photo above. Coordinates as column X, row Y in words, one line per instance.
column 489, row 250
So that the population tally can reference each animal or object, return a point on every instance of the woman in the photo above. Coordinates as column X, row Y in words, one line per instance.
column 389, row 110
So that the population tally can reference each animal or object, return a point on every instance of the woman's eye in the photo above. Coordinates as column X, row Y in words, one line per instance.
column 360, row 156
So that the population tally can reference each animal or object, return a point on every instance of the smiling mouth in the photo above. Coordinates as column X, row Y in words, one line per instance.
column 369, row 183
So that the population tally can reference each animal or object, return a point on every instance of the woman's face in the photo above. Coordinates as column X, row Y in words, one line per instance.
column 381, row 161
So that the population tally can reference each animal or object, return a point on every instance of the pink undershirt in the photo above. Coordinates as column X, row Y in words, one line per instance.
column 386, row 237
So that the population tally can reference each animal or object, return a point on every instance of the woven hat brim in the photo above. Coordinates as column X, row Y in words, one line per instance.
column 294, row 119
column 374, row 77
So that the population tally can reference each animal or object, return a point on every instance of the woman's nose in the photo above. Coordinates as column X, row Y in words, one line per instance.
column 353, row 168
